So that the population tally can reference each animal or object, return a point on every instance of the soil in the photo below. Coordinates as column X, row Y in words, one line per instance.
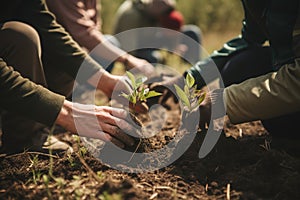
column 243, row 165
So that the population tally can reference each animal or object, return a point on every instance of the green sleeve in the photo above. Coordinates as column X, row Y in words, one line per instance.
column 22, row 96
column 217, row 59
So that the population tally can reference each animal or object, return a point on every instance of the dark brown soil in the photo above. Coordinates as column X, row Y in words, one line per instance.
column 243, row 165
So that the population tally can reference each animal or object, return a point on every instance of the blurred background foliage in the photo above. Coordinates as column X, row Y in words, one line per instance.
column 219, row 20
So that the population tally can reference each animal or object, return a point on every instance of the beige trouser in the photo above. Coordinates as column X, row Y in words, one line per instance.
column 20, row 48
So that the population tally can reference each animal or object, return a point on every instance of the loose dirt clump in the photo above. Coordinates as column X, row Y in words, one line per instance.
column 242, row 165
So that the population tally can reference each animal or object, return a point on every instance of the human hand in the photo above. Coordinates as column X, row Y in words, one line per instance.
column 212, row 99
column 166, row 87
column 139, row 107
column 99, row 122
column 181, row 49
column 139, row 65
column 205, row 111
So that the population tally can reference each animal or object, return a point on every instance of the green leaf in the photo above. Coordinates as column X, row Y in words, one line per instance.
column 132, row 79
column 152, row 94
column 132, row 99
column 182, row 96
column 125, row 95
column 145, row 91
column 201, row 98
column 140, row 81
column 186, row 90
column 190, row 81
column 45, row 179
column 141, row 94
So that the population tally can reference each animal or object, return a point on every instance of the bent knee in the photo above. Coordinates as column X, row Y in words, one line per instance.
column 18, row 33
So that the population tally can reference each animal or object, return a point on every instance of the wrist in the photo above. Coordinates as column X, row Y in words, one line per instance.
column 107, row 83
column 65, row 115
column 218, row 102
column 125, row 59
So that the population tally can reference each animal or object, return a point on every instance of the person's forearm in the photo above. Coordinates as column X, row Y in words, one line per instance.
column 104, row 81
column 23, row 97
column 265, row 97
column 65, row 117
column 106, row 50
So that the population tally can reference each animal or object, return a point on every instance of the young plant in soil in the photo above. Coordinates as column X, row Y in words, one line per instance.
column 138, row 98
column 139, row 95
column 190, row 97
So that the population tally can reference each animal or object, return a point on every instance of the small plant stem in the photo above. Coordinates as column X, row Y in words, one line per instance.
column 31, row 152
column 92, row 173
column 33, row 176
column 137, row 147
column 50, row 152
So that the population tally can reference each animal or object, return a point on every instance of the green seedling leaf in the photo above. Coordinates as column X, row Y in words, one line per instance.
column 152, row 94
column 201, row 98
column 190, row 81
column 140, row 81
column 45, row 179
column 186, row 90
column 143, row 94
column 182, row 96
column 190, row 96
column 133, row 99
column 125, row 95
column 145, row 91
column 132, row 79
column 139, row 93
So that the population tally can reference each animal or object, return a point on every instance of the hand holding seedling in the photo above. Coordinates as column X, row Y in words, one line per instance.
column 166, row 87
column 212, row 99
column 99, row 122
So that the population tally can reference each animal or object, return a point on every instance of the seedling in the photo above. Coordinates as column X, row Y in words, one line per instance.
column 190, row 96
column 139, row 93
column 36, row 174
column 46, row 183
column 137, row 101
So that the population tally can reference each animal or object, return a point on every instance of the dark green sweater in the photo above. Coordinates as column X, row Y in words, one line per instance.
column 22, row 96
